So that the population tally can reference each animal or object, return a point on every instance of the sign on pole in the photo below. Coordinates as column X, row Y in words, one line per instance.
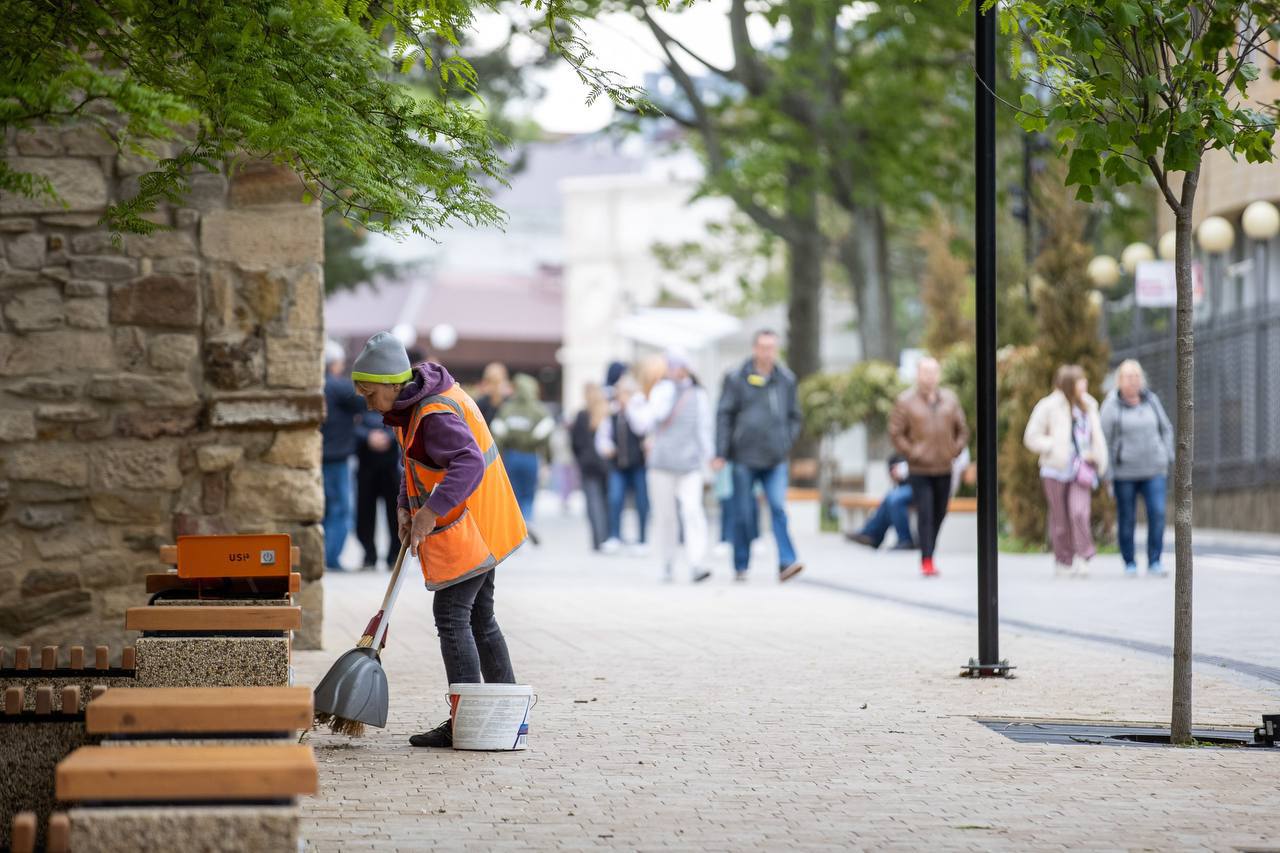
column 1155, row 284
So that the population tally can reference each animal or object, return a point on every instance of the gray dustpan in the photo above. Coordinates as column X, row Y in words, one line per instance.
column 354, row 691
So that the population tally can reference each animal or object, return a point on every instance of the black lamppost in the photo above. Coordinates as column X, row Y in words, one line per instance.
column 988, row 661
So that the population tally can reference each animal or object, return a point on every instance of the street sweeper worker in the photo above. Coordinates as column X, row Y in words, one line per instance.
column 457, row 510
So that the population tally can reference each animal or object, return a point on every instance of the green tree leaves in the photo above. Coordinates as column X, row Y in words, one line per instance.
column 314, row 84
column 1150, row 81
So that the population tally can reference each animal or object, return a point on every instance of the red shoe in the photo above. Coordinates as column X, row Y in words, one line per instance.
column 927, row 569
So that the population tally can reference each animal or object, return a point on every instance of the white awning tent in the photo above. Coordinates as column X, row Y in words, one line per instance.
column 690, row 329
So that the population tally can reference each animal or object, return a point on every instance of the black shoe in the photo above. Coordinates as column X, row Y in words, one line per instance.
column 533, row 539
column 701, row 575
column 862, row 539
column 441, row 737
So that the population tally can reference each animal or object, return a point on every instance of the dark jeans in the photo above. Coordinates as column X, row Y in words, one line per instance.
column 931, row 494
column 894, row 511
column 470, row 640
column 774, row 482
column 621, row 481
column 594, row 489
column 522, row 470
column 1153, row 496
column 377, row 480
column 337, row 510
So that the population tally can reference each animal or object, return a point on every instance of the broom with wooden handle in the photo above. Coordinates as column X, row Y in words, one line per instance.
column 354, row 691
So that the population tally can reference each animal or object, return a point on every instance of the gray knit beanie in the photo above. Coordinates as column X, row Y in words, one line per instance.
column 383, row 360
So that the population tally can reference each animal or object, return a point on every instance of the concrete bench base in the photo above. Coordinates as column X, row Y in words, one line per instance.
column 29, row 752
column 212, row 661
column 192, row 829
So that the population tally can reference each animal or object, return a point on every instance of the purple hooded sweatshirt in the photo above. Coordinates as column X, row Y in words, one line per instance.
column 442, row 441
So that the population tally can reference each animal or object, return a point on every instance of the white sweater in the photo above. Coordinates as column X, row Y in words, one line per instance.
column 1049, row 434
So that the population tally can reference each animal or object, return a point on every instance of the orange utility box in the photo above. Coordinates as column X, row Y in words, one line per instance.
column 249, row 555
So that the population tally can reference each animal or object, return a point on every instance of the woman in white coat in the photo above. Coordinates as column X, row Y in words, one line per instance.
column 1066, row 432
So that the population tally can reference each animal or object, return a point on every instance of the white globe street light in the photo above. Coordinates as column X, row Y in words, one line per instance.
column 1216, row 235
column 1134, row 254
column 1261, row 221
column 1167, row 248
column 405, row 334
column 1103, row 271
column 443, row 337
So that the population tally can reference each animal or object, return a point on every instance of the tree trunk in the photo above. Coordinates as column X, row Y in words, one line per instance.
column 1180, row 717
column 804, row 269
column 864, row 253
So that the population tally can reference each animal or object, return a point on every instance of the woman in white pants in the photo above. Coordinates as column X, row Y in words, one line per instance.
column 676, row 419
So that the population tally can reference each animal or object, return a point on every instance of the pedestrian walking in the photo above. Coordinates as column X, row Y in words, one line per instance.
column 343, row 407
column 377, row 481
column 593, row 470
column 893, row 512
column 1140, row 438
column 523, row 426
column 757, row 422
column 564, row 468
column 619, row 445
column 1066, row 431
column 495, row 387
column 458, row 511
column 676, row 420
column 927, row 427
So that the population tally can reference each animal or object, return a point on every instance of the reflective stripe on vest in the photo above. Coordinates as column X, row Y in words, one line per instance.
column 486, row 527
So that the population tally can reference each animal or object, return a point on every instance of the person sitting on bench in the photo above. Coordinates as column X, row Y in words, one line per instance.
column 894, row 511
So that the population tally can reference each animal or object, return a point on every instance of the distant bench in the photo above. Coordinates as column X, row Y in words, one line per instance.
column 856, row 506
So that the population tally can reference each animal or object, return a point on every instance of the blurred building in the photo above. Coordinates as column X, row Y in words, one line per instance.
column 471, row 296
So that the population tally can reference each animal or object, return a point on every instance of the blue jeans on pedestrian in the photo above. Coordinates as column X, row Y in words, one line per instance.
column 726, row 521
column 621, row 481
column 522, row 471
column 337, row 510
column 774, row 482
column 1153, row 495
column 894, row 511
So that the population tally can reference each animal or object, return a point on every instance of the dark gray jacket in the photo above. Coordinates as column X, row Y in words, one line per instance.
column 1140, row 437
column 758, row 419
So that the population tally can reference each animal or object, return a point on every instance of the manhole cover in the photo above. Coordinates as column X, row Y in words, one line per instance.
column 1046, row 731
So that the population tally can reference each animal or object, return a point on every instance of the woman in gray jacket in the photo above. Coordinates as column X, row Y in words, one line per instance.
column 676, row 422
column 1142, row 449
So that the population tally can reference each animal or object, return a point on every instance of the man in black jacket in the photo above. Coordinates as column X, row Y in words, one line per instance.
column 377, row 478
column 343, row 407
column 757, row 423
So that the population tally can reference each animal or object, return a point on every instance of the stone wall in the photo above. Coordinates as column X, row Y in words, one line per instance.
column 164, row 386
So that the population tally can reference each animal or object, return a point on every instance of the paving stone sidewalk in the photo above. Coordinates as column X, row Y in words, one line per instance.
column 766, row 717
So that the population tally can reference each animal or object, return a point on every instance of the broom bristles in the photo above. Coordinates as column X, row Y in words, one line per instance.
column 340, row 725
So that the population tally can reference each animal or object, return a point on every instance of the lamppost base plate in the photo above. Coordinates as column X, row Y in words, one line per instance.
column 973, row 669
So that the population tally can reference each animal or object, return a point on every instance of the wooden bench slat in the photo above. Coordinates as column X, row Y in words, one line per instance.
column 154, row 710
column 165, row 581
column 864, row 501
column 159, row 773
column 23, row 837
column 197, row 618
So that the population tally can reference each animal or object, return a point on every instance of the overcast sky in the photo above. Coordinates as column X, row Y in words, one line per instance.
column 623, row 45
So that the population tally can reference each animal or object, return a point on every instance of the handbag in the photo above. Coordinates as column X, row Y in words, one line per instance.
column 1086, row 473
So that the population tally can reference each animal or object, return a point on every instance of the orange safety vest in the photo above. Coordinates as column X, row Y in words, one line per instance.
column 482, row 531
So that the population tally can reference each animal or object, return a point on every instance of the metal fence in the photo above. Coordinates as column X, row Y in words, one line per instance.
column 1237, row 366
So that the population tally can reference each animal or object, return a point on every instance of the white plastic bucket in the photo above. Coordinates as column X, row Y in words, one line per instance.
column 490, row 716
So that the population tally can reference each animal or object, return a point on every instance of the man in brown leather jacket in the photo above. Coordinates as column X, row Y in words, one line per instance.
column 927, row 426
